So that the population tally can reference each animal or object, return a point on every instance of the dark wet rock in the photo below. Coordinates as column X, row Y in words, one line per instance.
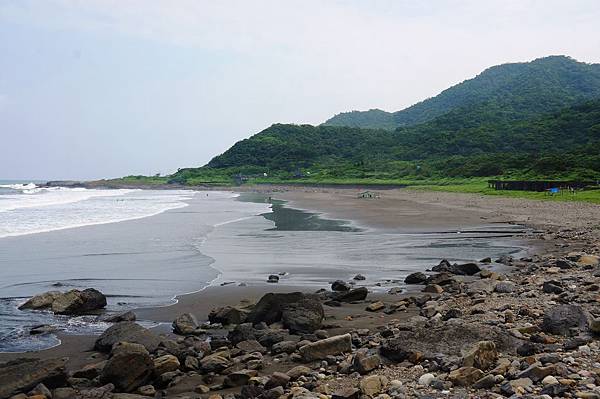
column 269, row 308
column 416, row 278
column 127, row 331
column 273, row 279
column 22, row 375
column 252, row 392
column 353, row 295
column 527, row 349
column 552, row 287
column 129, row 367
column 126, row 316
column 441, row 279
column 242, row 332
column 336, row 345
column 359, row 277
column 228, row 315
column 185, row 324
column 453, row 313
column 42, row 329
column 564, row 319
column 41, row 301
column 486, row 260
column 250, row 346
column 239, row 378
column 340, row 285
column 565, row 264
column 304, row 316
column 465, row 269
column 284, row 347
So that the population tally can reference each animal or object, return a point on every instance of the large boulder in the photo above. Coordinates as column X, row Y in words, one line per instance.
column 76, row 302
column 185, row 324
column 228, row 315
column 326, row 347
column 127, row 331
column 357, row 294
column 41, row 301
column 465, row 269
column 22, row 375
column 565, row 319
column 269, row 308
column 304, row 316
column 339, row 285
column 129, row 367
column 416, row 278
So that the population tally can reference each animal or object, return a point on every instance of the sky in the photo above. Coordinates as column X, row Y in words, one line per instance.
column 106, row 88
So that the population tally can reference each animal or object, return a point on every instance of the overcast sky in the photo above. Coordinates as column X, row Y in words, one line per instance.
column 105, row 88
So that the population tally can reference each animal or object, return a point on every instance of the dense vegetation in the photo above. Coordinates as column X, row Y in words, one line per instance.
column 517, row 91
column 470, row 142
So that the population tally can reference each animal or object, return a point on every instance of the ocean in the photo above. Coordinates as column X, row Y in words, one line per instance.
column 142, row 248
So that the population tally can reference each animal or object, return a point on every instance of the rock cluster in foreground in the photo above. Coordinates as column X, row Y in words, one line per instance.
column 533, row 332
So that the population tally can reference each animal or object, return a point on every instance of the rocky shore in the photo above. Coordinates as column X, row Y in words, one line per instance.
column 472, row 332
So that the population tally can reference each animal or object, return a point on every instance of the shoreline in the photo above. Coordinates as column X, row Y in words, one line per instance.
column 547, row 243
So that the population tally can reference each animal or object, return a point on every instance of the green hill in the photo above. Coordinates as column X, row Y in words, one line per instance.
column 464, row 143
column 517, row 90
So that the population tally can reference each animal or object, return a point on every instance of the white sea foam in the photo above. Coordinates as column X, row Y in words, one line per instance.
column 29, row 209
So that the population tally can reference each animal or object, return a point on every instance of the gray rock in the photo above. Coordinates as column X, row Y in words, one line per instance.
column 41, row 301
column 228, row 315
column 76, row 302
column 416, row 278
column 340, row 285
column 357, row 294
column 335, row 345
column 127, row 331
column 504, row 287
column 126, row 316
column 270, row 307
column 304, row 316
column 562, row 319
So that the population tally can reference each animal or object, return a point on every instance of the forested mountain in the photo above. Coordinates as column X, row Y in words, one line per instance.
column 517, row 91
column 561, row 144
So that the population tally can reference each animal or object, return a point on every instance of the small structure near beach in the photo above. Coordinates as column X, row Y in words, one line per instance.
column 368, row 194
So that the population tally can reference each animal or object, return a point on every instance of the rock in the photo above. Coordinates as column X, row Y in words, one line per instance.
column 273, row 279
column 42, row 329
column 270, row 307
column 77, row 302
column 126, row 316
column 185, row 324
column 433, row 289
column 364, row 363
column 239, row 378
column 375, row 306
column 147, row 390
column 426, row 379
column 340, row 285
column 595, row 326
column 482, row 355
column 504, row 287
column 372, row 385
column 127, row 331
column 353, row 295
column 465, row 269
column 89, row 371
column 346, row 393
column 298, row 371
column 453, row 313
column 509, row 388
column 465, row 376
column 486, row 260
column 549, row 380
column 536, row 373
column 166, row 363
column 304, row 316
column 359, row 277
column 336, row 345
column 284, row 347
column 228, row 315
column 561, row 319
column 215, row 362
column 41, row 301
column 415, row 278
column 277, row 379
column 485, row 382
column 22, row 375
column 129, row 367
column 589, row 260
column 64, row 393
column 250, row 346
column 552, row 287
column 441, row 279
